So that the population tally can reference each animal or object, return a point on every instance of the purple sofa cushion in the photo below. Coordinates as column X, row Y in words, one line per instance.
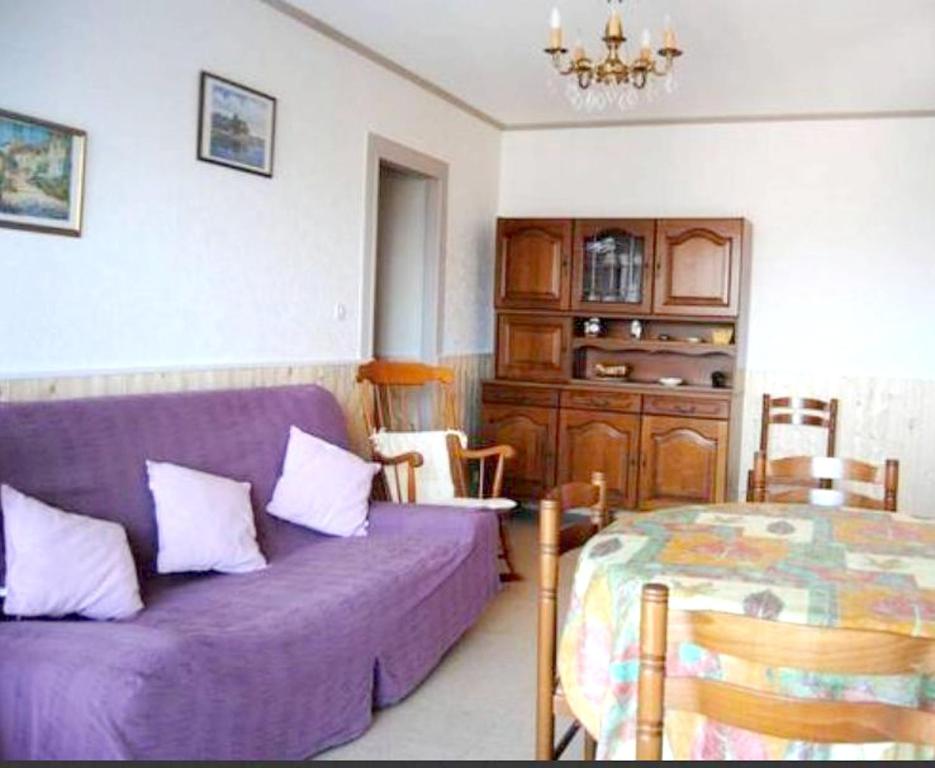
column 88, row 456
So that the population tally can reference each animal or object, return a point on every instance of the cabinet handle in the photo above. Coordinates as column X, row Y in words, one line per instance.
column 688, row 409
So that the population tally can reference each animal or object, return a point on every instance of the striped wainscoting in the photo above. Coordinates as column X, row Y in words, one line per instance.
column 878, row 419
column 338, row 378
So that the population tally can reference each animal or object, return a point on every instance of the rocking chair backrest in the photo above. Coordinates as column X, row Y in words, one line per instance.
column 407, row 397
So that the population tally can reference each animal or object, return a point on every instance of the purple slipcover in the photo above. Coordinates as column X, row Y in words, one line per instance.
column 276, row 664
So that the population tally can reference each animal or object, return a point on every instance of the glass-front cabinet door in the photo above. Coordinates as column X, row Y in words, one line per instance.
column 613, row 266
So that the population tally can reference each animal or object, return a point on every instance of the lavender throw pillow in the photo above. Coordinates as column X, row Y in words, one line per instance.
column 60, row 563
column 323, row 487
column 204, row 521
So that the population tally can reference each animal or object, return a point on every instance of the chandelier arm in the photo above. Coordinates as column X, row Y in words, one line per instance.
column 666, row 69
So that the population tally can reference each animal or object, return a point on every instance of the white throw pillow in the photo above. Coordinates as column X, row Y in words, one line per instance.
column 434, row 483
column 323, row 487
column 60, row 563
column 205, row 522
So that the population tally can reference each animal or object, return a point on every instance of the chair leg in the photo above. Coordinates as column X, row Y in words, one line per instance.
column 590, row 745
column 506, row 552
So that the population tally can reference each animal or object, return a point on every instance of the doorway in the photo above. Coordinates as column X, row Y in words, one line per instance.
column 404, row 257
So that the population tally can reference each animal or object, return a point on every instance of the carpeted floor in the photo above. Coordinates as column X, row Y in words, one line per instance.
column 479, row 703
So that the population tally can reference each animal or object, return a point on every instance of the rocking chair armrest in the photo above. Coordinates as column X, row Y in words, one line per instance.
column 504, row 451
column 413, row 458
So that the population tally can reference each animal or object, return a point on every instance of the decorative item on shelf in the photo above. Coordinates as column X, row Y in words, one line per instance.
column 664, row 337
column 609, row 271
column 41, row 175
column 670, row 381
column 593, row 252
column 693, row 339
column 593, row 327
column 611, row 371
column 719, row 380
column 722, row 335
column 613, row 268
column 636, row 330
column 615, row 71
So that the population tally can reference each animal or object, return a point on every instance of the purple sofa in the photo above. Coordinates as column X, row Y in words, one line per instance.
column 280, row 663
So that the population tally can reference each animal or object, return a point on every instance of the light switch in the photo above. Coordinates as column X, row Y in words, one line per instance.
column 340, row 312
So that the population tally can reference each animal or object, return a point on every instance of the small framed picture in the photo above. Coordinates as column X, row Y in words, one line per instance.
column 41, row 175
column 236, row 126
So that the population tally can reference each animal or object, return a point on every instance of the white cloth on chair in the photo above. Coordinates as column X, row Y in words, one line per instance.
column 434, row 483
column 497, row 504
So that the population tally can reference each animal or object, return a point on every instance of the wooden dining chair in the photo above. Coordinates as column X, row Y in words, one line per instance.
column 413, row 397
column 555, row 539
column 799, row 411
column 791, row 480
column 774, row 644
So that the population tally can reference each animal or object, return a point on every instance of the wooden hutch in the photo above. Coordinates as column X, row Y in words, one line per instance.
column 558, row 396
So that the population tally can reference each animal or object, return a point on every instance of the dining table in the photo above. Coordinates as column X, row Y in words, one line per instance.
column 794, row 563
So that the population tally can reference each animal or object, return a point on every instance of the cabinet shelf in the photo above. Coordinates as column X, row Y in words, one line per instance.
column 636, row 345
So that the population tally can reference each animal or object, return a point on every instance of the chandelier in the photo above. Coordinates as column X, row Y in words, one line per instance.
column 616, row 70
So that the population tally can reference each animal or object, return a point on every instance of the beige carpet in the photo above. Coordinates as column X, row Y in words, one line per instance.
column 479, row 703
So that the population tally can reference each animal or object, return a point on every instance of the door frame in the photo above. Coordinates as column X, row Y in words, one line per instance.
column 383, row 151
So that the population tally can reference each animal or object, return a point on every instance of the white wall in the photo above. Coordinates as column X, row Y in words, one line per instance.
column 842, row 212
column 843, row 292
column 400, row 295
column 186, row 264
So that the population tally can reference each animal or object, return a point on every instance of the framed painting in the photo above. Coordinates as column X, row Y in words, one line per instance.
column 41, row 175
column 236, row 126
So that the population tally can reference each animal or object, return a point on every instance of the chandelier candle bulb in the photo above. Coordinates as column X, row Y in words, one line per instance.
column 647, row 46
column 614, row 25
column 555, row 30
column 669, row 38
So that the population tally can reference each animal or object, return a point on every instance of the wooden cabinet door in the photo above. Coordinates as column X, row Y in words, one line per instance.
column 698, row 267
column 612, row 266
column 533, row 347
column 608, row 442
column 533, row 257
column 532, row 432
column 682, row 461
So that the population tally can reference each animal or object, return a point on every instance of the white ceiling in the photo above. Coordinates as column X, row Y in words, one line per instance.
column 742, row 57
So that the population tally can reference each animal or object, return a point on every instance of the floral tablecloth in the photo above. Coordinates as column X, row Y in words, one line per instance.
column 786, row 562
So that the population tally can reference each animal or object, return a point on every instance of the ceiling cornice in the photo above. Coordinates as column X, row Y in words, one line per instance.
column 796, row 117
column 304, row 17
column 313, row 22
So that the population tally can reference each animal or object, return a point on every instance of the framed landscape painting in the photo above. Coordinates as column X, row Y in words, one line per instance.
column 236, row 126
column 41, row 175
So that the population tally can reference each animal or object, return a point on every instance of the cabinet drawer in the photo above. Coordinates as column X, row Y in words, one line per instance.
column 686, row 406
column 498, row 393
column 601, row 401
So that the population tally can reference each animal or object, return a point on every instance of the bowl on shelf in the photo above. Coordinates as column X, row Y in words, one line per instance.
column 693, row 339
column 670, row 381
column 722, row 335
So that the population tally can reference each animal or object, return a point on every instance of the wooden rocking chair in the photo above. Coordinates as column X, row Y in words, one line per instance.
column 404, row 397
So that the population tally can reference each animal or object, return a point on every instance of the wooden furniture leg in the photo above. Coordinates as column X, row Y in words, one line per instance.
column 506, row 549
column 590, row 746
column 654, row 615
column 550, row 515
